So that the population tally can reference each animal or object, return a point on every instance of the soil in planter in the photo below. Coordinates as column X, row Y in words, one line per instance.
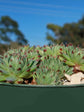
column 29, row 81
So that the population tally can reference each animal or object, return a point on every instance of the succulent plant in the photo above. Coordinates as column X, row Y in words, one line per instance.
column 47, row 65
column 27, row 51
column 51, row 72
column 73, row 57
column 46, row 51
column 14, row 67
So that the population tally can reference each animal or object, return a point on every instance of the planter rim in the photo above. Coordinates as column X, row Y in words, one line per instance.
column 42, row 86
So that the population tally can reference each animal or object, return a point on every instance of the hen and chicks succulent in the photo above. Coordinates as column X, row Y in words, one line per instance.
column 46, row 65
column 16, row 66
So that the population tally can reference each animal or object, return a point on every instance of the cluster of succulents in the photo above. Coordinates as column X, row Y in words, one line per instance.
column 28, row 52
column 46, row 51
column 45, row 65
column 51, row 72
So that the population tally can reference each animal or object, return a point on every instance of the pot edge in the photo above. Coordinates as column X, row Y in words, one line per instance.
column 42, row 86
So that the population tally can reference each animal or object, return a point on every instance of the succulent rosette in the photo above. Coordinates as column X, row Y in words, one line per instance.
column 74, row 57
column 14, row 67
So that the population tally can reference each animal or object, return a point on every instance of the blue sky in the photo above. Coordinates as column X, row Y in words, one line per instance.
column 33, row 15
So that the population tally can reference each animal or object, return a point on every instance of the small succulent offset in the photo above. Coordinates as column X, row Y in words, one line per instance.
column 73, row 57
column 51, row 72
column 15, row 67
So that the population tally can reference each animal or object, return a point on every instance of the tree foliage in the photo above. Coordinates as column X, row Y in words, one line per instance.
column 69, row 33
column 9, row 28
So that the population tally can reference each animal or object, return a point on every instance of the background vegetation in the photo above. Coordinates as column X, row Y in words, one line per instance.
column 12, row 37
column 68, row 33
column 9, row 28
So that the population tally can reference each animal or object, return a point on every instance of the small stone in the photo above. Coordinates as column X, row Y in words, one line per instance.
column 74, row 78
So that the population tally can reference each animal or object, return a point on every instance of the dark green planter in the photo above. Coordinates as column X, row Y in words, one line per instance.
column 27, row 98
